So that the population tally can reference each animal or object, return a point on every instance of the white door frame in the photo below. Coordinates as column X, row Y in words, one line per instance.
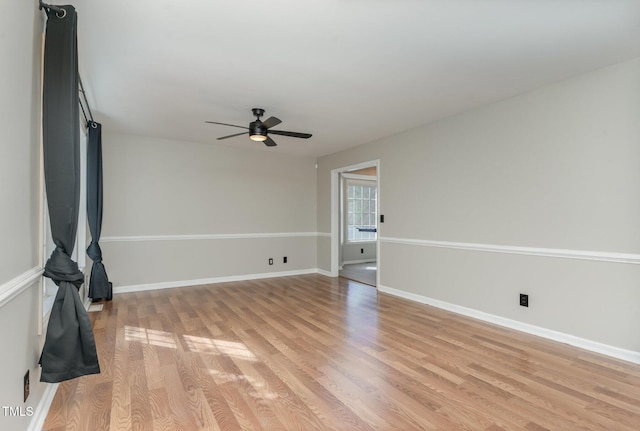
column 335, row 214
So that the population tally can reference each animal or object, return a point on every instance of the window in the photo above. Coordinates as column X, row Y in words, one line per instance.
column 361, row 211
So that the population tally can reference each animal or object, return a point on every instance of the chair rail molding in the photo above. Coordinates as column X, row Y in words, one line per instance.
column 15, row 286
column 189, row 237
column 602, row 256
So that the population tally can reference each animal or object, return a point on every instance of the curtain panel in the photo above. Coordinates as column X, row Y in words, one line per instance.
column 99, row 285
column 69, row 350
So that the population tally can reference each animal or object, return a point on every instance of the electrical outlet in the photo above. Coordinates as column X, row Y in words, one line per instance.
column 284, row 259
column 26, row 386
column 270, row 261
column 524, row 300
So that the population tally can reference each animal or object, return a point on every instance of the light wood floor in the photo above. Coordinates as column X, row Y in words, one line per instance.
column 315, row 353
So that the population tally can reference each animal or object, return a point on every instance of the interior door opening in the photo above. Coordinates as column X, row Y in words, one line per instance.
column 354, row 228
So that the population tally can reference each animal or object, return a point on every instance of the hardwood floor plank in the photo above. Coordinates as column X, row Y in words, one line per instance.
column 121, row 399
column 224, row 414
column 311, row 353
column 179, row 405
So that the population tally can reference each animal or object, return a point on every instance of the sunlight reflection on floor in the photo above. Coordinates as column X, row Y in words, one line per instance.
column 149, row 336
column 209, row 345
column 155, row 337
column 236, row 350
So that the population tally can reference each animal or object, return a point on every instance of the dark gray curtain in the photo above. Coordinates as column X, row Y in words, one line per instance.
column 99, row 285
column 69, row 349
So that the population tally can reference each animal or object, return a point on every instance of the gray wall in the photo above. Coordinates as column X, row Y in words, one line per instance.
column 181, row 211
column 21, row 26
column 556, row 168
column 359, row 252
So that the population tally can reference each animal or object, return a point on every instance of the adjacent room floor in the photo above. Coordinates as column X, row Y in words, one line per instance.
column 317, row 353
column 362, row 272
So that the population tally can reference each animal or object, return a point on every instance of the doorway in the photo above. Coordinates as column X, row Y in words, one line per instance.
column 355, row 206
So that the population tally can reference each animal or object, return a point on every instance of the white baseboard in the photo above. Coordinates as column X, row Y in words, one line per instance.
column 594, row 346
column 213, row 280
column 42, row 409
column 351, row 262
column 324, row 272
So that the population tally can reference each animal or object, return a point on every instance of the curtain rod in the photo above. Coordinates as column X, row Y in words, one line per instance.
column 89, row 120
column 57, row 9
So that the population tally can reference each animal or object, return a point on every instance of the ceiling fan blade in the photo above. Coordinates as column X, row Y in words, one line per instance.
column 271, row 121
column 225, row 124
column 270, row 142
column 292, row 134
column 231, row 136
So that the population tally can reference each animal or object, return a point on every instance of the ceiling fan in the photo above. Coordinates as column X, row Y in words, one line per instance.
column 259, row 130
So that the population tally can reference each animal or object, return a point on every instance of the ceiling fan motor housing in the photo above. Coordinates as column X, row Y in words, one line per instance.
column 257, row 129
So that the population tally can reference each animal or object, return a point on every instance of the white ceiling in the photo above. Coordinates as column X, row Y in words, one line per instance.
column 348, row 71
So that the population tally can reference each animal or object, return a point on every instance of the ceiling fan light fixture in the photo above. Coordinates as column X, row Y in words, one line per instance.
column 258, row 138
